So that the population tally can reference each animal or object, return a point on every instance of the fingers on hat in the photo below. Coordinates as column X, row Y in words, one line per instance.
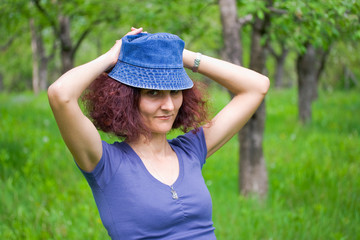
column 134, row 29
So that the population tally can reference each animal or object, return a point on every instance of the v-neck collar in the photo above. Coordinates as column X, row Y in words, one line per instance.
column 151, row 177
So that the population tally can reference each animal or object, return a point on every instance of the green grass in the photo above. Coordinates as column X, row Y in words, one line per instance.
column 314, row 175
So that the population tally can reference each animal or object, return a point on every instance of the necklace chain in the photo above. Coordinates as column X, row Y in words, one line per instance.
column 173, row 192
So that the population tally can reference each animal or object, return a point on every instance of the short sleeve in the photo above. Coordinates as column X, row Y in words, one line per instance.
column 106, row 167
column 194, row 141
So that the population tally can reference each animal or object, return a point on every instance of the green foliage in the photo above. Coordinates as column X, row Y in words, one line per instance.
column 15, row 42
column 16, row 65
column 342, row 70
column 196, row 21
column 313, row 174
column 317, row 22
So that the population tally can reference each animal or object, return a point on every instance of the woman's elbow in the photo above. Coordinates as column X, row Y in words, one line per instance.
column 265, row 85
column 56, row 95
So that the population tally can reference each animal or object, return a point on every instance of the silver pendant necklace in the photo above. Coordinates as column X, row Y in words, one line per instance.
column 173, row 192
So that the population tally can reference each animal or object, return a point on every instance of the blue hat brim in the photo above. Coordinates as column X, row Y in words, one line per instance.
column 151, row 78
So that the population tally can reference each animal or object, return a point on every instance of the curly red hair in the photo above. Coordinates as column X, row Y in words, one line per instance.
column 113, row 107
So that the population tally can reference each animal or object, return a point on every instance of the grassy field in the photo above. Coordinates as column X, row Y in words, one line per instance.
column 314, row 175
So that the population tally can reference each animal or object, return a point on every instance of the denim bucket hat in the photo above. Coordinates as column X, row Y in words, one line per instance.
column 152, row 61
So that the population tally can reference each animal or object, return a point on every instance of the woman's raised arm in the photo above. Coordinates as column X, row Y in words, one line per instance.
column 249, row 89
column 78, row 132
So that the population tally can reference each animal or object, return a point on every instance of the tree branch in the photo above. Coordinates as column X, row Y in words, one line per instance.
column 272, row 52
column 7, row 44
column 277, row 11
column 81, row 38
column 206, row 6
column 53, row 51
column 89, row 29
column 244, row 20
column 47, row 16
column 323, row 57
column 10, row 41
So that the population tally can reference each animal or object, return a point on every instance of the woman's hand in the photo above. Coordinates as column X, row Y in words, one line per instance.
column 114, row 52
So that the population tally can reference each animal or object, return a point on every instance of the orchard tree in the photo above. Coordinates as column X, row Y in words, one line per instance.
column 315, row 27
column 310, row 28
column 280, row 59
column 253, row 174
column 40, row 57
column 71, row 22
column 52, row 25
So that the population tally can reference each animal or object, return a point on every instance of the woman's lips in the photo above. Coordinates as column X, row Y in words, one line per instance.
column 164, row 117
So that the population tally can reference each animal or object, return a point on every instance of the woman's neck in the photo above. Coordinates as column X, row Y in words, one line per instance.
column 156, row 145
column 159, row 158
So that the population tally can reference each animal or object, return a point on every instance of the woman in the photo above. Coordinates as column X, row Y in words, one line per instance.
column 147, row 187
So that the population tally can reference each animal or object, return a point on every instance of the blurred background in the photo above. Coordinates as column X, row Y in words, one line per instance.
column 293, row 172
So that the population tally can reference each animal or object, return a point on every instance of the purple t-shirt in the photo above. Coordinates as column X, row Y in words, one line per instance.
column 135, row 205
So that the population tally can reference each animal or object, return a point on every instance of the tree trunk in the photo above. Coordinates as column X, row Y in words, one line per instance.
column 35, row 57
column 253, row 174
column 43, row 73
column 322, row 57
column 280, row 66
column 67, row 56
column 232, row 50
column 1, row 82
column 349, row 78
column 309, row 66
column 40, row 61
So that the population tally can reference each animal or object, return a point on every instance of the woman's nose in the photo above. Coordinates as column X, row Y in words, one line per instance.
column 167, row 103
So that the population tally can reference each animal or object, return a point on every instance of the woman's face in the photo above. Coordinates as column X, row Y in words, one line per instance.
column 159, row 108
